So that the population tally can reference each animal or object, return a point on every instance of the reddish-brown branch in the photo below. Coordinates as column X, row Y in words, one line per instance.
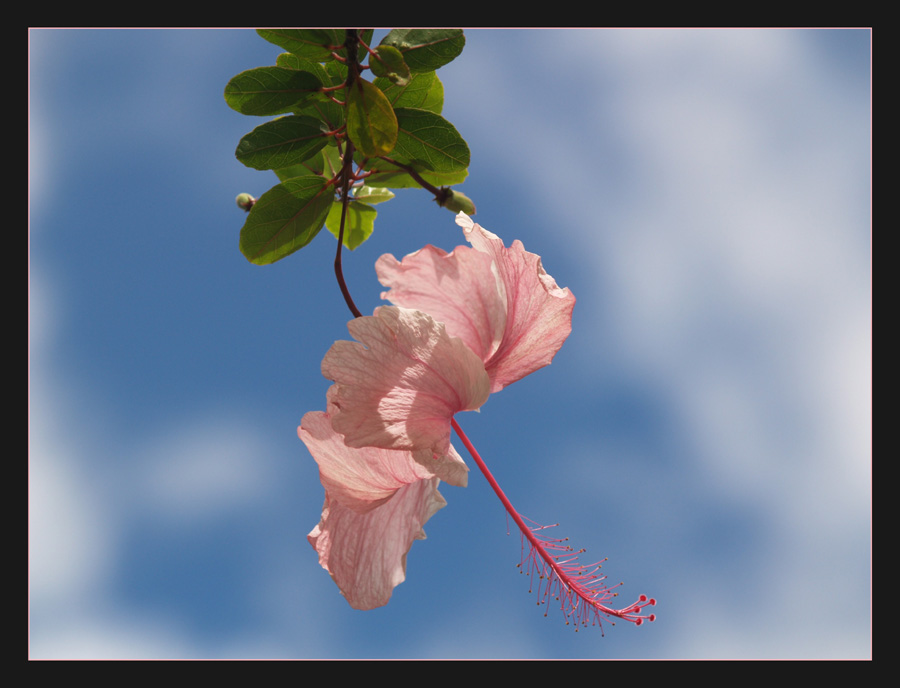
column 345, row 175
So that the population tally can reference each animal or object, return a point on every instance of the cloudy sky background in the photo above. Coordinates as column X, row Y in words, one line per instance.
column 707, row 426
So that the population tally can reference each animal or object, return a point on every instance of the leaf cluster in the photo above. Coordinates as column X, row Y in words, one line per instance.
column 341, row 141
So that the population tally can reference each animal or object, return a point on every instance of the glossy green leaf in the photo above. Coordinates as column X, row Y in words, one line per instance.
column 372, row 194
column 365, row 36
column 429, row 142
column 425, row 50
column 332, row 161
column 313, row 44
column 300, row 64
column 430, row 145
column 330, row 74
column 282, row 142
column 424, row 91
column 338, row 73
column 285, row 218
column 385, row 174
column 270, row 90
column 387, row 62
column 358, row 226
column 326, row 163
column 319, row 106
column 314, row 165
column 331, row 114
column 371, row 123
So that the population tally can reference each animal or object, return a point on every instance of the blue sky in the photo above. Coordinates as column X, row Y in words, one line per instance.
column 705, row 194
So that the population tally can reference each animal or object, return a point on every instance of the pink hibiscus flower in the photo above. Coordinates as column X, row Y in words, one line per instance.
column 464, row 324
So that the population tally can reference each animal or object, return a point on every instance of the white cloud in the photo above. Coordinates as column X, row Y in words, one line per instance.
column 204, row 469
column 82, row 510
column 731, row 252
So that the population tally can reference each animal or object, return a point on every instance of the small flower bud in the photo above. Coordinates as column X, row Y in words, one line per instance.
column 245, row 201
column 458, row 202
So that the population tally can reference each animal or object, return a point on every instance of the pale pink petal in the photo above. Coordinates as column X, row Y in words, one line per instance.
column 458, row 289
column 376, row 502
column 400, row 383
column 362, row 479
column 538, row 313
column 450, row 467
column 366, row 553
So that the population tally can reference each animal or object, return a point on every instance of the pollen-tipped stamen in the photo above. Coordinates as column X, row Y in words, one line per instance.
column 580, row 589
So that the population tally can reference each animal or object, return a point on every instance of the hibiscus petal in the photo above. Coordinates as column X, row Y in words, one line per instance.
column 539, row 313
column 376, row 503
column 363, row 479
column 458, row 289
column 399, row 385
column 366, row 553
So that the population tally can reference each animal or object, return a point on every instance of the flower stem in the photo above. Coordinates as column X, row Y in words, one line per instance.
column 345, row 201
column 345, row 173
column 578, row 587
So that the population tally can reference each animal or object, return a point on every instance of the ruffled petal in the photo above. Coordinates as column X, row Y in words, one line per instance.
column 365, row 553
column 362, row 479
column 400, row 383
column 458, row 289
column 538, row 312
column 376, row 503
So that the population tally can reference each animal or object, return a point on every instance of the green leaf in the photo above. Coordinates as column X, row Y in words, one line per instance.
column 424, row 91
column 282, row 142
column 300, row 64
column 372, row 194
column 425, row 50
column 371, row 123
column 429, row 142
column 365, row 36
column 385, row 174
column 270, row 90
column 388, row 62
column 430, row 145
column 326, row 163
column 314, row 165
column 330, row 74
column 285, row 218
column 319, row 106
column 313, row 44
column 338, row 73
column 331, row 114
column 358, row 226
